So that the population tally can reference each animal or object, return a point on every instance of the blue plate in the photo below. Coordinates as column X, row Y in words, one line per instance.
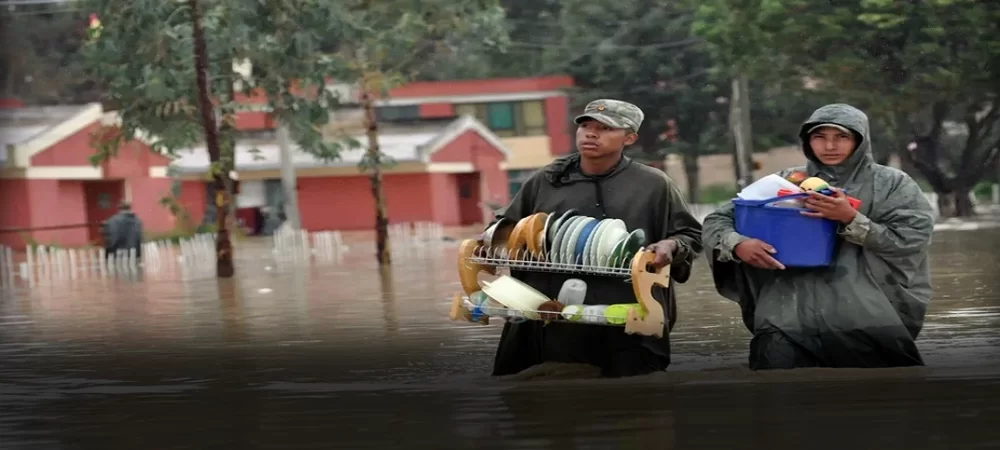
column 581, row 242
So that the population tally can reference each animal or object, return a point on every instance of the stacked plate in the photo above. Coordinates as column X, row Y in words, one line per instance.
column 570, row 238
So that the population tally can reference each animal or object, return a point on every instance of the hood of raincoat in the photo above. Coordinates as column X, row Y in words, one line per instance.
column 848, row 117
column 854, row 175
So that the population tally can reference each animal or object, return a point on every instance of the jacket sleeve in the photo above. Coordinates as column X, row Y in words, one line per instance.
column 733, row 280
column 720, row 234
column 902, row 225
column 683, row 228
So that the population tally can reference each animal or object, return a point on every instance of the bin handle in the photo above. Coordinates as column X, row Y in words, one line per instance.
column 783, row 198
column 768, row 202
column 780, row 198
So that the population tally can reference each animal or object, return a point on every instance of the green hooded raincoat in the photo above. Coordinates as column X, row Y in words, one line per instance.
column 867, row 308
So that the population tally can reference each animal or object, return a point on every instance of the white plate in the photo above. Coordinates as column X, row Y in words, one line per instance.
column 574, row 235
column 556, row 253
column 555, row 226
column 614, row 234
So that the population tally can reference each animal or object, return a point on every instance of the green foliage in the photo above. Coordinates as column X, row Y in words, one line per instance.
column 983, row 191
column 643, row 51
column 39, row 59
column 717, row 193
column 915, row 67
column 388, row 42
column 144, row 55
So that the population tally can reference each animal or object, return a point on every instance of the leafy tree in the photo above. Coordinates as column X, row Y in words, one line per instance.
column 168, row 70
column 925, row 71
column 643, row 51
column 381, row 44
column 40, row 61
column 535, row 36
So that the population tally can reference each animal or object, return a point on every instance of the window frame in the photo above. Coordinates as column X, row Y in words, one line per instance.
column 396, row 116
column 520, row 129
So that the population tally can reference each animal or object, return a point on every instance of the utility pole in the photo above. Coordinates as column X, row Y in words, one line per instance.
column 739, row 124
column 288, row 184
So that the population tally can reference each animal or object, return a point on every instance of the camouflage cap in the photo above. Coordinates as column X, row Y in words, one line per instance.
column 613, row 113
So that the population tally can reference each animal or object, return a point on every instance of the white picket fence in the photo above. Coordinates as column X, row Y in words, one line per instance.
column 302, row 246
column 415, row 233
column 45, row 265
column 290, row 245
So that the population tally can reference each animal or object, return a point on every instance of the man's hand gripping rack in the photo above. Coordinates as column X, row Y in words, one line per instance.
column 473, row 258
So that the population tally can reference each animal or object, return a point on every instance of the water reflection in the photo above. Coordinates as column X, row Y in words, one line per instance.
column 388, row 300
column 298, row 356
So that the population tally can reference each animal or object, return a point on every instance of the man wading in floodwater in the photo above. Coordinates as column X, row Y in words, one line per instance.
column 868, row 307
column 123, row 231
column 600, row 182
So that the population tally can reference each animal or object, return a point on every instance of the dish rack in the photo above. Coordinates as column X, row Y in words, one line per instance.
column 475, row 258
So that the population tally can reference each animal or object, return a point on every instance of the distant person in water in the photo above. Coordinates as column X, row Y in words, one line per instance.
column 867, row 308
column 123, row 231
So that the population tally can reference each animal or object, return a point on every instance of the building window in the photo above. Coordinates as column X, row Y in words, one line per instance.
column 533, row 118
column 500, row 119
column 516, row 179
column 508, row 119
column 472, row 109
column 406, row 113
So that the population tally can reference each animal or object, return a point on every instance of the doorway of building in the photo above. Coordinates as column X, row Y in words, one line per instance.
column 102, row 198
column 469, row 198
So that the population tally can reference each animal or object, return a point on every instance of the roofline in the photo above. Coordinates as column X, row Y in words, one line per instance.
column 456, row 129
column 483, row 86
column 275, row 166
column 114, row 119
column 22, row 152
column 471, row 98
column 438, row 142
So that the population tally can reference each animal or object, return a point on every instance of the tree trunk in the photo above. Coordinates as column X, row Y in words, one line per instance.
column 955, row 204
column 739, row 125
column 288, row 178
column 375, row 159
column 223, row 246
column 691, row 173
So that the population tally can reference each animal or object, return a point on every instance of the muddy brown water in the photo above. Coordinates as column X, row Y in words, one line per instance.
column 333, row 356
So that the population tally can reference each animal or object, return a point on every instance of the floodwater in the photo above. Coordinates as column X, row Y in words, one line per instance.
column 333, row 356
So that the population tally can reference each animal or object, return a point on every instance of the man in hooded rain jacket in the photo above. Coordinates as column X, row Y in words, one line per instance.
column 600, row 182
column 123, row 231
column 867, row 308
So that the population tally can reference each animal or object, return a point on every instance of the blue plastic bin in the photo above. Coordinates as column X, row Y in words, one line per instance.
column 800, row 241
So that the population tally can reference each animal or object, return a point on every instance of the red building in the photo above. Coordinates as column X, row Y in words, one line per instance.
column 47, row 183
column 444, row 175
column 459, row 147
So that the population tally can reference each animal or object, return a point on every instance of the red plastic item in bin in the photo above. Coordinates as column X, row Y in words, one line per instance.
column 855, row 203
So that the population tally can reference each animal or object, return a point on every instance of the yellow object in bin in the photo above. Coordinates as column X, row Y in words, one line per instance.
column 814, row 184
column 617, row 314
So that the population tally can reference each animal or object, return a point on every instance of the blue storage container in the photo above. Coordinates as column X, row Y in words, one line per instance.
column 800, row 241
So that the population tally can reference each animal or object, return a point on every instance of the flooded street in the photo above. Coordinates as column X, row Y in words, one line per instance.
column 329, row 356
